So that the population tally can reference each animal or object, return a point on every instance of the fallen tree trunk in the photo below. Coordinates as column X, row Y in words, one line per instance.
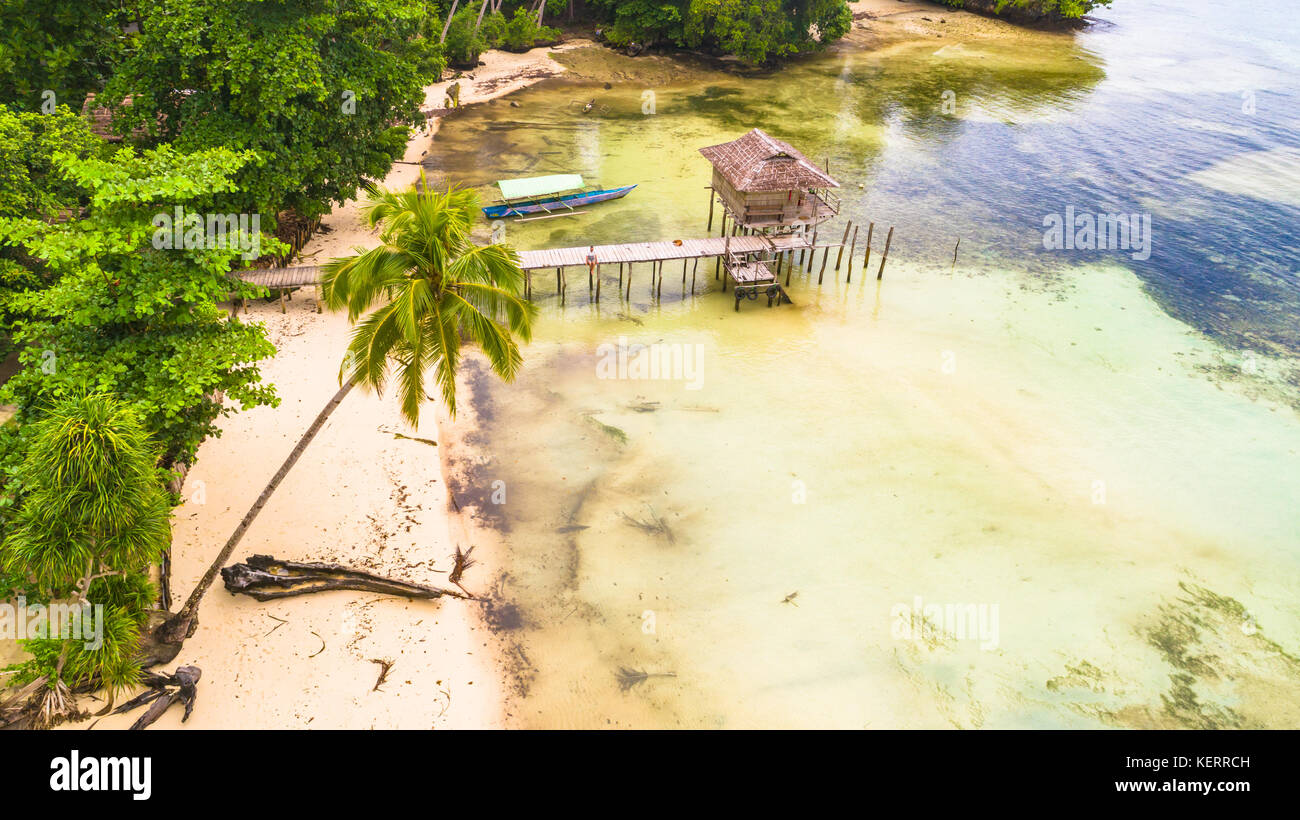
column 267, row 579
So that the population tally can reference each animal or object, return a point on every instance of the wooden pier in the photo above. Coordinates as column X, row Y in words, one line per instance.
column 775, row 199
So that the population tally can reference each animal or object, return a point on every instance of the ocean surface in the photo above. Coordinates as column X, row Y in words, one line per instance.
column 1044, row 485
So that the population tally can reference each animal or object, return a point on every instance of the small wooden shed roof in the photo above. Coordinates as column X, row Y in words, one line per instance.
column 758, row 162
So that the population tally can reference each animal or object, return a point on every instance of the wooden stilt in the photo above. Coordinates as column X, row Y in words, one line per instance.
column 694, row 268
column 683, row 276
column 853, row 246
column 629, row 281
column 711, row 203
column 954, row 255
column 826, row 254
column 839, row 257
column 598, row 284
column 866, row 260
column 885, row 257
column 659, row 288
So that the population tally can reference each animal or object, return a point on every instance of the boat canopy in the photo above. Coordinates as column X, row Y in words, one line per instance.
column 530, row 187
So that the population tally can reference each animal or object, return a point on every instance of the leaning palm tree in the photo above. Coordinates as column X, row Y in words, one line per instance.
column 429, row 289
column 432, row 288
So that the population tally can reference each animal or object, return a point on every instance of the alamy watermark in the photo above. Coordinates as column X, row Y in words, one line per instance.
column 1098, row 232
column 670, row 361
column 922, row 621
column 21, row 621
column 195, row 231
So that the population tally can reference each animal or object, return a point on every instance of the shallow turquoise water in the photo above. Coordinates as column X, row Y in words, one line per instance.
column 1094, row 455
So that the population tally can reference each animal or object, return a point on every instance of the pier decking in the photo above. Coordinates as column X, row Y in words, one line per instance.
column 631, row 252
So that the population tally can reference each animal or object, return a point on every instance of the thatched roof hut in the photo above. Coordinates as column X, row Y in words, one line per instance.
column 765, row 182
column 758, row 162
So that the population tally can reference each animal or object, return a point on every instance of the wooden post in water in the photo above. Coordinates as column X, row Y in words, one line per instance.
column 853, row 246
column 839, row 257
column 711, row 203
column 885, row 258
column 557, row 282
column 954, row 255
column 629, row 281
column 826, row 254
column 528, row 284
column 866, row 260
column 659, row 288
column 620, row 277
column 726, row 251
column 693, row 269
column 812, row 252
column 598, row 284
column 683, row 276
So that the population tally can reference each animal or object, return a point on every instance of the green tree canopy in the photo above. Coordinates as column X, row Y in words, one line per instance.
column 322, row 92
column 129, row 316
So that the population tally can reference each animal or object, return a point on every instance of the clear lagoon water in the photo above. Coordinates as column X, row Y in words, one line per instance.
column 1034, row 488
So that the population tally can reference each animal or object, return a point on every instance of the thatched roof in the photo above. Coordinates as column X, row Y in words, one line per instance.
column 101, row 120
column 757, row 162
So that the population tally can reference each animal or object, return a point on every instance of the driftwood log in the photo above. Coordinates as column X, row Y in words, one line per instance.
column 268, row 579
column 164, row 690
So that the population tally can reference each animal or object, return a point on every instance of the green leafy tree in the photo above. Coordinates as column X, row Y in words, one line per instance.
column 758, row 31
column 93, row 519
column 522, row 32
column 130, row 317
column 30, row 186
column 52, row 52
column 323, row 92
column 466, row 40
column 1031, row 9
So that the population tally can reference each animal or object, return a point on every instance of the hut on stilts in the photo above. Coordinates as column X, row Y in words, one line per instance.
column 767, row 188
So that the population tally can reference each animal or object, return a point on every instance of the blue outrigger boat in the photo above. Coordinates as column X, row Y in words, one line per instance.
column 531, row 195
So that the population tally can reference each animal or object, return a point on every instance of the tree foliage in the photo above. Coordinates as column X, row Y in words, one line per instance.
column 755, row 30
column 322, row 92
column 128, row 318
column 1031, row 9
column 431, row 287
column 58, row 52
column 94, row 517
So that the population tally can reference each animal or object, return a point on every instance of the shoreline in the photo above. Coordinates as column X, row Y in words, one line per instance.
column 362, row 497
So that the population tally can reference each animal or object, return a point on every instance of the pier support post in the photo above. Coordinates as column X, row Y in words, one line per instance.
column 839, row 257
column 853, row 246
column 866, row 260
column 885, row 257
column 711, row 204
column 598, row 284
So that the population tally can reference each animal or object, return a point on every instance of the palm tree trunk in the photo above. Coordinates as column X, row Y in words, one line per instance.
column 181, row 625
